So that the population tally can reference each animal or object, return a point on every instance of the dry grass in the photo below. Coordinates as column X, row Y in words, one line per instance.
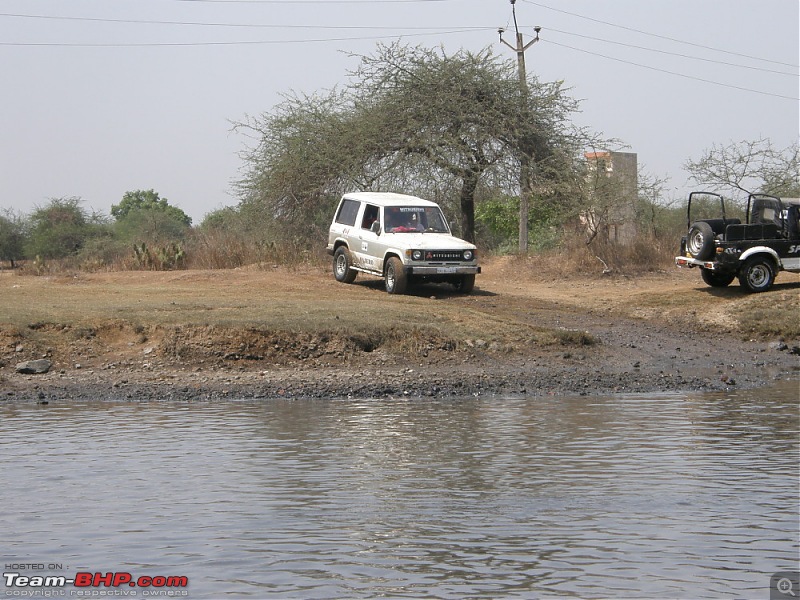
column 576, row 258
column 777, row 316
column 677, row 296
column 253, row 312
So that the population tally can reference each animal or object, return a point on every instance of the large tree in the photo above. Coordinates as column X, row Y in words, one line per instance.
column 411, row 119
column 143, row 216
column 148, row 200
column 451, row 111
column 305, row 153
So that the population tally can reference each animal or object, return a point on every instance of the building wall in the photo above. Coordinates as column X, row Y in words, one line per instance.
column 621, row 168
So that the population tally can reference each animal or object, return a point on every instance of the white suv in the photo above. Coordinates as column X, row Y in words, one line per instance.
column 403, row 239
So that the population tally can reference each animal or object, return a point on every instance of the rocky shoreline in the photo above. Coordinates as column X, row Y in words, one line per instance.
column 563, row 373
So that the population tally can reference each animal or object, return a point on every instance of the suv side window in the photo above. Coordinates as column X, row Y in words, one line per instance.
column 348, row 212
column 371, row 215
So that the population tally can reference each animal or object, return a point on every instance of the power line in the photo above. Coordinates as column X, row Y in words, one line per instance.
column 232, row 43
column 708, row 60
column 363, row 27
column 310, row 1
column 627, row 62
column 207, row 24
column 663, row 37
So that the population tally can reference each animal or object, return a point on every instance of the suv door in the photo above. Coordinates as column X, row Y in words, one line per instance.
column 366, row 246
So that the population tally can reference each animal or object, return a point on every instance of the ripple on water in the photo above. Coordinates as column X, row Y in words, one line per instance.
column 677, row 496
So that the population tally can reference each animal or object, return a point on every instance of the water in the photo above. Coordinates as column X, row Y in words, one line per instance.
column 626, row 496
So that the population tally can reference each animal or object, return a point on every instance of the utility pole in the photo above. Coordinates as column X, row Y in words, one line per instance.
column 525, row 158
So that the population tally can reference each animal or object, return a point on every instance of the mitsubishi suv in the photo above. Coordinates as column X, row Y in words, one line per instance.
column 401, row 238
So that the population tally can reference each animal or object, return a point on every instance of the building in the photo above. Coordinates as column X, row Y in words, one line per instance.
column 614, row 188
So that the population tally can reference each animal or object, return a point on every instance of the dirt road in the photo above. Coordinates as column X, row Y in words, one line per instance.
column 273, row 332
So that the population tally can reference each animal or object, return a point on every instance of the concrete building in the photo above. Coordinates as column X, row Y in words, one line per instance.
column 614, row 184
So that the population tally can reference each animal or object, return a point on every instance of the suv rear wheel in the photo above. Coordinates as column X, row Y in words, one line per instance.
column 757, row 274
column 342, row 261
column 715, row 278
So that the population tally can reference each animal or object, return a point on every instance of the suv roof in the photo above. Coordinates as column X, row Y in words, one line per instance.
column 389, row 199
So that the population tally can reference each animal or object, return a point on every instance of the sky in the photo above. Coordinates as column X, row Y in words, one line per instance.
column 101, row 97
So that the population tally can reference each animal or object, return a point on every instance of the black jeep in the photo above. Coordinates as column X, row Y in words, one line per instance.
column 754, row 251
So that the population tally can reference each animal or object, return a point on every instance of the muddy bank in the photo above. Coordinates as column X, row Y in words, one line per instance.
column 623, row 357
column 274, row 333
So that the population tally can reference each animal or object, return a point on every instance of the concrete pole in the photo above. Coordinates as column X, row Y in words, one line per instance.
column 524, row 175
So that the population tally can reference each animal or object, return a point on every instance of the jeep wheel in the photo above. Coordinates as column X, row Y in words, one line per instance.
column 717, row 279
column 700, row 241
column 757, row 274
column 465, row 284
column 342, row 261
column 396, row 278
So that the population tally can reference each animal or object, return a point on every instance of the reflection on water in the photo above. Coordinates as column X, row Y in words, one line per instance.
column 631, row 496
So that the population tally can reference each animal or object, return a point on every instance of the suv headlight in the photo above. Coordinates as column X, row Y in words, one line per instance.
column 416, row 255
column 469, row 255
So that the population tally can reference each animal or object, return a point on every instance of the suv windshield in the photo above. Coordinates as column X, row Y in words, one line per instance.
column 413, row 219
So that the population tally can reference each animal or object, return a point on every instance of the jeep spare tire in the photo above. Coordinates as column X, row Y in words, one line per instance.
column 700, row 241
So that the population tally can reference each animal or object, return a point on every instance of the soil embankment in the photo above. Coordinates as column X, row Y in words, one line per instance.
column 275, row 332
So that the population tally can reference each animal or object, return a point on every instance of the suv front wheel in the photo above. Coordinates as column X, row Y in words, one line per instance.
column 396, row 278
column 342, row 261
column 465, row 284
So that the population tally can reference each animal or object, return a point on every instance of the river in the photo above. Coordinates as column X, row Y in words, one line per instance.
column 645, row 496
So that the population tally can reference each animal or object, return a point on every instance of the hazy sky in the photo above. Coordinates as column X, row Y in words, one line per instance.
column 100, row 97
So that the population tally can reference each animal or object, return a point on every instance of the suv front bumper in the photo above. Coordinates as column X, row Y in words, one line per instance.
column 442, row 270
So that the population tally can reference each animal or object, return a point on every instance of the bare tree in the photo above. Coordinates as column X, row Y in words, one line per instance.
column 747, row 167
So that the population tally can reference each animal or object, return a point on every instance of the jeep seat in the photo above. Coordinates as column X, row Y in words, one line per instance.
column 718, row 225
column 754, row 231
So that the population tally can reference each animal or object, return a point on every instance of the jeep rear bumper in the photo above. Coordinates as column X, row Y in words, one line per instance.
column 685, row 261
column 718, row 266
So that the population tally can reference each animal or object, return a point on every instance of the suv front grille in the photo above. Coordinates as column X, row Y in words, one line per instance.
column 443, row 255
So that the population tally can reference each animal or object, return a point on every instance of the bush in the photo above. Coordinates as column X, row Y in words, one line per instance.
column 167, row 257
column 101, row 254
column 12, row 238
column 497, row 226
column 58, row 229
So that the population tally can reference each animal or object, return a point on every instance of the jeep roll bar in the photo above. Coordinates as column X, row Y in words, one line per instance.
column 689, row 206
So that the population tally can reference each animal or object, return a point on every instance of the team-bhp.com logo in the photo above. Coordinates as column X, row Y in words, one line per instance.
column 89, row 584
